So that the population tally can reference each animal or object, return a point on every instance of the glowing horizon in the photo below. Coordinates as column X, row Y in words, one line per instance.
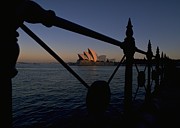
column 151, row 20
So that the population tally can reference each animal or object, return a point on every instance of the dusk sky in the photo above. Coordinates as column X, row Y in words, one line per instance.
column 154, row 20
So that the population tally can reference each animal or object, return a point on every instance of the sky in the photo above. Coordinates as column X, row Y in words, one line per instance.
column 154, row 20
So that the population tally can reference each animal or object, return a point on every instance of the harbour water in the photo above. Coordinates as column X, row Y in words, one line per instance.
column 47, row 94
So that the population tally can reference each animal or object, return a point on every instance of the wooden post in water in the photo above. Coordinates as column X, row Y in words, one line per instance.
column 129, row 50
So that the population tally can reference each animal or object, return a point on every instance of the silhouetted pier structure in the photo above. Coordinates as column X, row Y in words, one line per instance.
column 159, row 106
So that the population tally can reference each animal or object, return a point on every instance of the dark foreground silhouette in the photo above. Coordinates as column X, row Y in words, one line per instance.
column 162, row 111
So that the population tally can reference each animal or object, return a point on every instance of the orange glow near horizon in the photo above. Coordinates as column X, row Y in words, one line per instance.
column 40, row 57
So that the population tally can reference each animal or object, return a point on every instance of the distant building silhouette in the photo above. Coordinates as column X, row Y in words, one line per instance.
column 90, row 57
column 102, row 58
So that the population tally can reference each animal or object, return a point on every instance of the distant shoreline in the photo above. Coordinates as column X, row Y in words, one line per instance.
column 137, row 61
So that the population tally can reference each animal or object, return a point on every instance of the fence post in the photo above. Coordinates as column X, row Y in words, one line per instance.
column 129, row 50
column 162, row 67
column 157, row 60
column 149, row 61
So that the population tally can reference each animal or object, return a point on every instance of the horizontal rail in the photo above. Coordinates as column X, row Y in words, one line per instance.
column 68, row 25
column 65, row 24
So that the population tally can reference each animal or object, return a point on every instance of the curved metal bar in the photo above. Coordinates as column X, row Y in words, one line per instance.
column 40, row 42
column 68, row 25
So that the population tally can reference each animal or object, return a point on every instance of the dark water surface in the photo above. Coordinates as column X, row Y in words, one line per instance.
column 47, row 94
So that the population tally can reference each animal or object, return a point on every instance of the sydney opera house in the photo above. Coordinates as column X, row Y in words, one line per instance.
column 90, row 57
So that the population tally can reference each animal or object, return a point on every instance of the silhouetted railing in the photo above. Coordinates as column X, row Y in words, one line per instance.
column 128, row 47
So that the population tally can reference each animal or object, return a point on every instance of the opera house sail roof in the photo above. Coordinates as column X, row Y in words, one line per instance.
column 93, row 54
column 90, row 58
column 88, row 55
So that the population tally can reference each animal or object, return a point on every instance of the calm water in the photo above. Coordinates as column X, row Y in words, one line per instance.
column 47, row 94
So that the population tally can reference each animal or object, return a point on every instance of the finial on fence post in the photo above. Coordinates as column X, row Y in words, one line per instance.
column 129, row 42
column 129, row 49
column 129, row 31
